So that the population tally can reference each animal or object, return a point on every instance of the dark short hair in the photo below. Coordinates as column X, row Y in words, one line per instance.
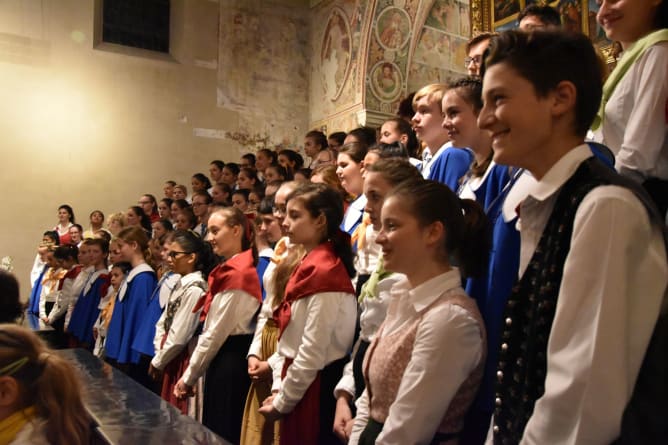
column 469, row 88
column 319, row 138
column 364, row 135
column 250, row 157
column 338, row 136
column 218, row 163
column 546, row 14
column 552, row 56
column 479, row 38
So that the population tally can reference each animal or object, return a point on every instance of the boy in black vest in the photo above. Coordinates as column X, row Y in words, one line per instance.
column 593, row 270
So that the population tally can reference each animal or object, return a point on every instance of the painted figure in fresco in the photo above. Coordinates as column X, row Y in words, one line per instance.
column 392, row 37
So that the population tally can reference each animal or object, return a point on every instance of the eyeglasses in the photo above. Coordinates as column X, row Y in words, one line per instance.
column 173, row 254
column 144, row 202
column 471, row 60
column 280, row 209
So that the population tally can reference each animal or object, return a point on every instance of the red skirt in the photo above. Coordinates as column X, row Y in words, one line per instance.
column 312, row 419
column 172, row 373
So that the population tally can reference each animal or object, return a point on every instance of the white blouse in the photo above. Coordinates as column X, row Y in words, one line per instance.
column 232, row 312
column 321, row 330
column 190, row 289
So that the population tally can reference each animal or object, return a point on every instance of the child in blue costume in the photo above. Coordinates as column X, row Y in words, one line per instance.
column 143, row 342
column 131, row 303
column 349, row 169
column 86, row 310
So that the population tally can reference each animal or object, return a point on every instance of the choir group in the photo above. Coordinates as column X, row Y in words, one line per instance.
column 479, row 273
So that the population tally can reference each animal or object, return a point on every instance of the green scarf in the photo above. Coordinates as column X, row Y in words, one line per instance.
column 370, row 288
column 628, row 59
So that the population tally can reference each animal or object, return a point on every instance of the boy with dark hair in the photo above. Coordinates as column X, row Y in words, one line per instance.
column 538, row 17
column 593, row 269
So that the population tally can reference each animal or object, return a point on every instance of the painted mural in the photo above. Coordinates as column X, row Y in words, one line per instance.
column 336, row 82
column 263, row 67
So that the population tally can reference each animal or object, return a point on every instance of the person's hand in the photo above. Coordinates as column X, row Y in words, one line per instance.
column 258, row 370
column 343, row 419
column 154, row 372
column 181, row 390
column 267, row 409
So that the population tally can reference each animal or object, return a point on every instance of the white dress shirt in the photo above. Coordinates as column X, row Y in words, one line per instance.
column 190, row 288
column 366, row 258
column 232, row 312
column 614, row 281
column 320, row 331
column 448, row 346
column 354, row 213
column 635, row 126
column 372, row 315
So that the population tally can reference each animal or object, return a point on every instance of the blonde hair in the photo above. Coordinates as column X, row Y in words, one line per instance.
column 119, row 218
column 135, row 234
column 47, row 382
column 433, row 92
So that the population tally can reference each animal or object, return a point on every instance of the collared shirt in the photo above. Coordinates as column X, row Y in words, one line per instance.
column 354, row 214
column 232, row 312
column 614, row 281
column 635, row 127
column 184, row 322
column 320, row 331
column 448, row 346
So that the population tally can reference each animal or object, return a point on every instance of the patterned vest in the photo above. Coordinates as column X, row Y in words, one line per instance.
column 388, row 356
column 531, row 307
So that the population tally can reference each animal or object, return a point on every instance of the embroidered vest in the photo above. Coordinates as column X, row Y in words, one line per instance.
column 531, row 307
column 387, row 359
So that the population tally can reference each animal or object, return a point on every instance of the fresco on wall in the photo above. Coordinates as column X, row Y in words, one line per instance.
column 333, row 91
column 439, row 54
column 335, row 54
column 260, row 88
column 394, row 27
column 386, row 81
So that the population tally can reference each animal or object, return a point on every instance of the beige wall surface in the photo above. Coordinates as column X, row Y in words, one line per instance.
column 96, row 128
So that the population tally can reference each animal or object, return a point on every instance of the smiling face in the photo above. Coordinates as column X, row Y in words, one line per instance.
column 63, row 216
column 401, row 238
column 75, row 235
column 302, row 227
column 460, row 120
column 350, row 174
column 627, row 20
column 519, row 120
column 225, row 240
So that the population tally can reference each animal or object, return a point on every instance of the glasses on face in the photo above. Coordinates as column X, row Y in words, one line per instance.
column 280, row 209
column 141, row 203
column 471, row 60
column 173, row 254
column 198, row 204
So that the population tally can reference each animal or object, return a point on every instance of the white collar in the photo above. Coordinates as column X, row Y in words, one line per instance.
column 560, row 172
column 516, row 195
column 143, row 267
column 189, row 278
column 267, row 252
column 426, row 293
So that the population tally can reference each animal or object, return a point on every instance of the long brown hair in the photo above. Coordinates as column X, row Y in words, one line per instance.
column 47, row 382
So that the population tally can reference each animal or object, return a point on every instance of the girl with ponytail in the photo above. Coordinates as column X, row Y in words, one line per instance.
column 316, row 319
column 131, row 305
column 40, row 395
column 228, row 311
column 191, row 259
column 424, row 365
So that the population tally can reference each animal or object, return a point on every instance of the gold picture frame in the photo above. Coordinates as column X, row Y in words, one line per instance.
column 576, row 15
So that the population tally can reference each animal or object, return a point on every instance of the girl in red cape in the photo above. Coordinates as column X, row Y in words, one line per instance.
column 316, row 319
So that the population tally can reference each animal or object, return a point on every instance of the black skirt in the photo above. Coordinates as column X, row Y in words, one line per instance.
column 226, row 387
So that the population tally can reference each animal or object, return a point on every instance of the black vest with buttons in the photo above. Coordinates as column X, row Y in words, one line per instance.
column 531, row 307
